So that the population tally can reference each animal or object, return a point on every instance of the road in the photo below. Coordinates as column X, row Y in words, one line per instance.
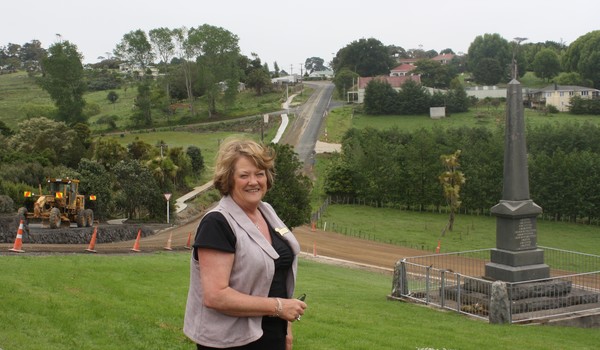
column 304, row 131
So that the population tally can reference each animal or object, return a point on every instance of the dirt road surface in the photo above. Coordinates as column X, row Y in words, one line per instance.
column 315, row 244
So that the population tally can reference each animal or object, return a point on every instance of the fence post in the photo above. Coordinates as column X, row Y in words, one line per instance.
column 427, row 274
column 458, row 306
column 443, row 288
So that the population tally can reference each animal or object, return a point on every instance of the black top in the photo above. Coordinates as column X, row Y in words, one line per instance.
column 214, row 232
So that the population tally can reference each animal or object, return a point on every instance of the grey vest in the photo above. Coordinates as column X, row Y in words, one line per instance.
column 252, row 273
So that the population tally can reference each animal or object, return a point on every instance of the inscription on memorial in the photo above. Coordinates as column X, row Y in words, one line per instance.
column 525, row 234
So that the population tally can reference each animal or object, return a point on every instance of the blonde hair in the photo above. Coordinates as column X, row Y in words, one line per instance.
column 234, row 148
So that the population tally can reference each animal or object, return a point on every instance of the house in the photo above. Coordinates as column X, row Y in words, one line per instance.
column 324, row 74
column 130, row 69
column 559, row 96
column 402, row 70
column 288, row 79
column 395, row 82
column 444, row 58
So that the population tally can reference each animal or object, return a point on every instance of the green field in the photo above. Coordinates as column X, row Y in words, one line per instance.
column 137, row 302
column 22, row 98
column 423, row 230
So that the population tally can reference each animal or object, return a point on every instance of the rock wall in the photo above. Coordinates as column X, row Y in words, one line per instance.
column 106, row 233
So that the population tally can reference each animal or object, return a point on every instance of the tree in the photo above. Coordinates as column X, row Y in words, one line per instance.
column 572, row 78
column 290, row 194
column 258, row 79
column 434, row 74
column 42, row 136
column 490, row 47
column 32, row 52
column 108, row 152
column 135, row 49
column 340, row 179
column 413, row 99
column 162, row 41
column 457, row 100
column 488, row 71
column 112, row 96
column 142, row 116
column 196, row 158
column 96, row 180
column 186, row 53
column 136, row 190
column 63, row 80
column 314, row 64
column 452, row 179
column 583, row 57
column 546, row 64
column 219, row 52
column 140, row 150
column 344, row 80
column 365, row 57
column 380, row 98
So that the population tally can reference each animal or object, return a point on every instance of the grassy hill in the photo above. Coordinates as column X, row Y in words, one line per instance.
column 21, row 98
column 138, row 301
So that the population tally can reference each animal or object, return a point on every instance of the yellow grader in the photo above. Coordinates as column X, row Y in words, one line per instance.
column 61, row 205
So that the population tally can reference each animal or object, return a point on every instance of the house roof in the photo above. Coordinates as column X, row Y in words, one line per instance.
column 444, row 57
column 407, row 60
column 404, row 67
column 395, row 82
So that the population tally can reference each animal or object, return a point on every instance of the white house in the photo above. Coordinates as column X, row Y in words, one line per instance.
column 559, row 96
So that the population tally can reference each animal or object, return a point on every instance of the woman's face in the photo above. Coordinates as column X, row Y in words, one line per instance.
column 249, row 183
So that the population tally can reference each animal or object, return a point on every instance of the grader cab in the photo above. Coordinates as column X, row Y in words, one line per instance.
column 61, row 204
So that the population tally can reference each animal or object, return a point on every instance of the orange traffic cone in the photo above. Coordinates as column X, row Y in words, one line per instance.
column 19, row 240
column 136, row 245
column 168, row 247
column 92, row 244
column 189, row 241
column 312, row 226
column 437, row 250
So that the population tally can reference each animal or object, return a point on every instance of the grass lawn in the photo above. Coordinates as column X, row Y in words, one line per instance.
column 21, row 97
column 18, row 95
column 422, row 230
column 137, row 302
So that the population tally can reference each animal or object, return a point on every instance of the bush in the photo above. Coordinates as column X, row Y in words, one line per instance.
column 7, row 205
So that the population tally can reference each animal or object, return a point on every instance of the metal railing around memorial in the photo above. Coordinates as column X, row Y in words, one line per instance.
column 455, row 281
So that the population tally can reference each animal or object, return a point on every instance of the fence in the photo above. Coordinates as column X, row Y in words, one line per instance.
column 441, row 209
column 454, row 281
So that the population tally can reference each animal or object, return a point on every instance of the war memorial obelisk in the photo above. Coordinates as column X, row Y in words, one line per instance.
column 516, row 257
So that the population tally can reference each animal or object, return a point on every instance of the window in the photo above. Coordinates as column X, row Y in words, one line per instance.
column 584, row 93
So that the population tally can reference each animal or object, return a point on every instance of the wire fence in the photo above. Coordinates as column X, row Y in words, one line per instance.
column 456, row 281
column 438, row 209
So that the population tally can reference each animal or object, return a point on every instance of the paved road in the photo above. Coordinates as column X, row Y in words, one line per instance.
column 304, row 131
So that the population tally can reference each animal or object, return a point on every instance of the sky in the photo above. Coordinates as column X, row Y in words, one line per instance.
column 289, row 32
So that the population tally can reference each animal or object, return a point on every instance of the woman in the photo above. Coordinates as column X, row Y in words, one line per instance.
column 243, row 268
